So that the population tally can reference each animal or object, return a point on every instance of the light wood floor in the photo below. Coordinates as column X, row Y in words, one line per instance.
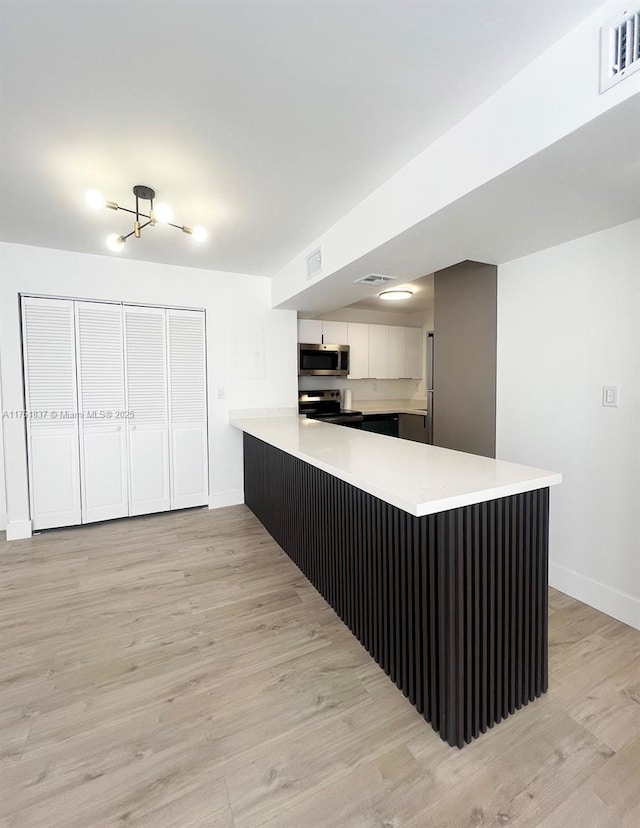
column 179, row 671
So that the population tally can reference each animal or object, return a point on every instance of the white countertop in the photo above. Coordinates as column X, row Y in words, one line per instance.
column 417, row 478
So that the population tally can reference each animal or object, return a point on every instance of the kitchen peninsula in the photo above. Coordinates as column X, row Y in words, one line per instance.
column 436, row 560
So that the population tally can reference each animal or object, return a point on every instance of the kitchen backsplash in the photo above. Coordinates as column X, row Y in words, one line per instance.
column 366, row 389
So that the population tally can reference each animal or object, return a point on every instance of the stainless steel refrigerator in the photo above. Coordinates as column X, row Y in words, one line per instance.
column 430, row 389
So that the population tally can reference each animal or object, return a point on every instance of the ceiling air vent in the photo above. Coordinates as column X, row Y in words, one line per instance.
column 620, row 47
column 375, row 279
column 314, row 263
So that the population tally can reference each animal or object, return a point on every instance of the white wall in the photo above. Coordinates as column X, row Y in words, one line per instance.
column 234, row 303
column 569, row 323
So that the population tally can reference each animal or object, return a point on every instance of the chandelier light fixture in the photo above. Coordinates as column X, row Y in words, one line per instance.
column 396, row 295
column 157, row 214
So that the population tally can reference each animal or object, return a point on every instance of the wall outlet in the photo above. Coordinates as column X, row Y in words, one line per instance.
column 375, row 386
column 610, row 396
column 221, row 392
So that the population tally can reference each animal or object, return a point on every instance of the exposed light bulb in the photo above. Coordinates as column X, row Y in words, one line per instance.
column 115, row 242
column 199, row 233
column 95, row 199
column 162, row 213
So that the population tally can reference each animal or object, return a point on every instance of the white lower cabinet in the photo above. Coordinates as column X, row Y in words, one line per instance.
column 118, row 424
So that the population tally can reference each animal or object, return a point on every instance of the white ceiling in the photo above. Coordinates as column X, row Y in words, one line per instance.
column 422, row 299
column 264, row 120
column 586, row 182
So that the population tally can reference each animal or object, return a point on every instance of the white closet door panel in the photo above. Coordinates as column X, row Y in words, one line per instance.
column 187, row 408
column 48, row 338
column 104, row 474
column 189, row 478
column 148, row 470
column 103, row 447
column 147, row 404
column 54, row 477
column 49, row 357
column 146, row 364
column 188, row 391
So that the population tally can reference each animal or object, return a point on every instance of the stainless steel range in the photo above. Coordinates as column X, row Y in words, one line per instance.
column 327, row 406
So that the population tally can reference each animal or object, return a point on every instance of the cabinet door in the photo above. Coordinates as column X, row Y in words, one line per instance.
column 48, row 340
column 358, row 341
column 413, row 353
column 378, row 351
column 310, row 331
column 413, row 427
column 103, row 439
column 397, row 361
column 187, row 409
column 335, row 333
column 148, row 425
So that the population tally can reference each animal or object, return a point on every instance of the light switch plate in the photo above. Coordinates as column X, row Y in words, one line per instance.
column 610, row 396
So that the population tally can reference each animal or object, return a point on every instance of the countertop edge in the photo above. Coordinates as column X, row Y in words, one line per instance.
column 417, row 508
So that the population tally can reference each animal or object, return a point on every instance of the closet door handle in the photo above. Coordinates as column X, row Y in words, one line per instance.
column 133, row 428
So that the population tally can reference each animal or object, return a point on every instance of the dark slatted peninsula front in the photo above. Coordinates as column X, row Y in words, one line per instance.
column 451, row 605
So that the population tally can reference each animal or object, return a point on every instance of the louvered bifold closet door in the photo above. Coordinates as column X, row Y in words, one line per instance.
column 103, row 439
column 187, row 408
column 147, row 405
column 48, row 339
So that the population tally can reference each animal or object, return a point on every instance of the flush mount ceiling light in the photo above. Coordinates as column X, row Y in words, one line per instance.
column 395, row 295
column 158, row 214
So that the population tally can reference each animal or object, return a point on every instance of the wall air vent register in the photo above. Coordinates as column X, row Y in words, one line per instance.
column 314, row 263
column 620, row 47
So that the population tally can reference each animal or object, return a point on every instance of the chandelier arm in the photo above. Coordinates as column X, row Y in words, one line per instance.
column 133, row 212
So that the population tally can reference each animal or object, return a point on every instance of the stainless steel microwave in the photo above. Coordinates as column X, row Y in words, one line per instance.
column 323, row 360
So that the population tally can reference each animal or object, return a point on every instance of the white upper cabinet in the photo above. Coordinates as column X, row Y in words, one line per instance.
column 375, row 351
column 358, row 342
column 413, row 352
column 317, row 331
column 310, row 331
column 378, row 351
column 397, row 362
column 334, row 333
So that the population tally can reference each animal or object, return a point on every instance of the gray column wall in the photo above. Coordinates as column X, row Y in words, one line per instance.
column 465, row 317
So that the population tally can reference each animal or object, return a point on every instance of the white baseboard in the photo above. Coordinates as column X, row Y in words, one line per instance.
column 222, row 499
column 18, row 530
column 605, row 598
